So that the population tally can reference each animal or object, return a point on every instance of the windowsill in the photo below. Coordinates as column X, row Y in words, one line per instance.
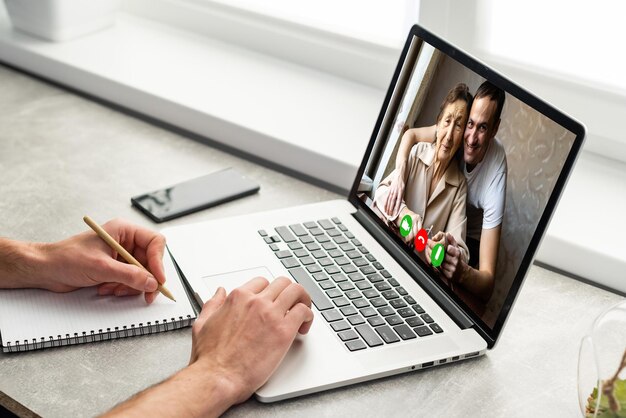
column 304, row 120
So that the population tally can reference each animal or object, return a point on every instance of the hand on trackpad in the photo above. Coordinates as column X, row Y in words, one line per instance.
column 231, row 280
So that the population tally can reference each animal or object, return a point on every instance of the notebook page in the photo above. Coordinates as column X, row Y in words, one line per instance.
column 33, row 313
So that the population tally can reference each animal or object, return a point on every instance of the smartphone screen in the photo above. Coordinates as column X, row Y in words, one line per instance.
column 194, row 195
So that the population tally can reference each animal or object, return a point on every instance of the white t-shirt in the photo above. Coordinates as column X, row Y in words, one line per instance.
column 486, row 190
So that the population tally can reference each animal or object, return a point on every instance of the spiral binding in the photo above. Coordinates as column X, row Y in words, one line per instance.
column 101, row 335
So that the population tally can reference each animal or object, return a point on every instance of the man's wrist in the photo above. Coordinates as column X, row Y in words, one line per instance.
column 21, row 264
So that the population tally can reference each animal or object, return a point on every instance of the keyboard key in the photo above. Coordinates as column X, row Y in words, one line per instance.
column 333, row 232
column 320, row 277
column 283, row 253
column 375, row 278
column 356, row 320
column 275, row 238
column 410, row 300
column 285, row 234
column 306, row 239
column 418, row 309
column 318, row 297
column 423, row 331
column 386, row 311
column 360, row 303
column 341, row 302
column 414, row 322
column 340, row 325
column 327, row 284
column 356, row 277
column 322, row 239
column 334, row 293
column 360, row 262
column 348, row 335
column 353, row 294
column 294, row 245
column 290, row 262
column 274, row 247
column 301, row 253
column 353, row 254
column 338, row 278
column 348, row 268
column 401, row 291
column 370, row 293
column 370, row 337
column 363, row 250
column 313, row 268
column 341, row 261
column 436, row 328
column 394, row 282
column 332, row 315
column 404, row 332
column 346, row 247
column 406, row 312
column 307, row 260
column 382, row 286
column 370, row 257
column 376, row 321
column 378, row 302
column 388, row 294
column 268, row 240
column 298, row 230
column 335, row 253
column 310, row 225
column 329, row 246
column 356, row 242
column 336, row 220
column 355, row 345
column 387, row 334
column 345, row 286
column 426, row 318
column 367, row 312
column 342, row 227
column 313, row 246
column 363, row 285
column 332, row 269
column 318, row 254
column 386, row 274
column 262, row 232
column 325, row 262
column 326, row 224
column 340, row 240
column 398, row 303
column 394, row 320
column 349, row 235
column 376, row 264
column 368, row 270
column 316, row 231
column 348, row 310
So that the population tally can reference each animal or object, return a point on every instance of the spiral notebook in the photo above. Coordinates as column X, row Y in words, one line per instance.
column 31, row 319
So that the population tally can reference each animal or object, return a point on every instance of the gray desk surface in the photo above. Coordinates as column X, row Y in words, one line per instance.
column 63, row 156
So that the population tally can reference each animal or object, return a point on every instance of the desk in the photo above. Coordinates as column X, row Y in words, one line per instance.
column 64, row 156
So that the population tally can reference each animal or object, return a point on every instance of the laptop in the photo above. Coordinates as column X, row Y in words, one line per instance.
column 384, row 299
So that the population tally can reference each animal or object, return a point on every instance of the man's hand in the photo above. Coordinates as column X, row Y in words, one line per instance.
column 416, row 222
column 241, row 338
column 396, row 192
column 86, row 260
column 453, row 265
column 438, row 238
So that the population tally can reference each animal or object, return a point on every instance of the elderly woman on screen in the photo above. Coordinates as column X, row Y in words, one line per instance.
column 436, row 190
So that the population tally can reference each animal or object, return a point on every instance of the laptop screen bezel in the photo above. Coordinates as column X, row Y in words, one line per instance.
column 489, row 334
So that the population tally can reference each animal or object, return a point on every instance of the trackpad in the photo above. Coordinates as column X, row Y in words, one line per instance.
column 231, row 280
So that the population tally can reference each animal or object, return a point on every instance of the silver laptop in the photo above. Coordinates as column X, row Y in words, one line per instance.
column 385, row 298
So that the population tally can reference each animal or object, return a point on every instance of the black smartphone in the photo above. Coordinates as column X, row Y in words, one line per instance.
column 194, row 195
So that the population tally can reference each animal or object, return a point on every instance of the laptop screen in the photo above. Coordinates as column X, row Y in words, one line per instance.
column 464, row 170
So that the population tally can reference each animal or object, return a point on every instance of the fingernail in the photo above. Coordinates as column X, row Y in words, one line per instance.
column 151, row 284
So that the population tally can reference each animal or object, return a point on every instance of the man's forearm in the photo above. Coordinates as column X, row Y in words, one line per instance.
column 18, row 264
column 192, row 392
column 479, row 283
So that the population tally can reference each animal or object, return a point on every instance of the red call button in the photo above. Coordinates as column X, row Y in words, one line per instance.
column 420, row 240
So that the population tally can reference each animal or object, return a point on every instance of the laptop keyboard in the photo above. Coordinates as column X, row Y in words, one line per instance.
column 359, row 299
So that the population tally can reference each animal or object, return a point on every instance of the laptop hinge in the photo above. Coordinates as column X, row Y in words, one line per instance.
column 411, row 267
